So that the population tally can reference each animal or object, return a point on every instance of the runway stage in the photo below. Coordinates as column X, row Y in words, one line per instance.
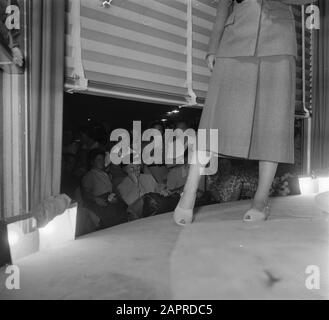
column 217, row 257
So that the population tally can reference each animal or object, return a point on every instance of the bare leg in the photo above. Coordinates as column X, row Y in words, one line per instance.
column 184, row 210
column 187, row 200
column 267, row 172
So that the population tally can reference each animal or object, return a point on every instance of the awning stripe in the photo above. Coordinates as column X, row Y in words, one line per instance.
column 107, row 54
column 133, row 73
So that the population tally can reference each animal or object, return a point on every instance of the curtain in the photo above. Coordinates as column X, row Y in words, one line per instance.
column 2, row 186
column 46, row 66
column 320, row 127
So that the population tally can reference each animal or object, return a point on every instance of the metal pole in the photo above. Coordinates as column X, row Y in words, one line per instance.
column 307, row 112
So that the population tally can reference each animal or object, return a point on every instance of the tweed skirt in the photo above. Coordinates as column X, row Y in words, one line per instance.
column 251, row 103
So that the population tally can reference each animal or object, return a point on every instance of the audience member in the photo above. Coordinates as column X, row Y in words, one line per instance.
column 97, row 191
column 143, row 195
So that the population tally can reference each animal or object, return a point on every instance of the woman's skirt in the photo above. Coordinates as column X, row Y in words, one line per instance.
column 251, row 102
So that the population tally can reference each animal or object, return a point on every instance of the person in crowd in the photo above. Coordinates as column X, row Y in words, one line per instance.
column 140, row 191
column 98, row 194
column 116, row 172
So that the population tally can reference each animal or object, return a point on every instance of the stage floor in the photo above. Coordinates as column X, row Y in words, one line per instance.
column 217, row 257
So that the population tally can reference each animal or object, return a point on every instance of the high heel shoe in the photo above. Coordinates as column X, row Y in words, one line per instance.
column 253, row 215
column 183, row 216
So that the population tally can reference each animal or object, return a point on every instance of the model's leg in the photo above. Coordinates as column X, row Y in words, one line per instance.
column 191, row 186
column 184, row 210
column 267, row 172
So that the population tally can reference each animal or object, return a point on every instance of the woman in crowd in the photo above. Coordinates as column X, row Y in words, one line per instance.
column 98, row 193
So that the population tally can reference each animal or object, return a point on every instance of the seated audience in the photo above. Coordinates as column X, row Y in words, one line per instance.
column 143, row 195
column 136, row 184
column 116, row 173
column 97, row 191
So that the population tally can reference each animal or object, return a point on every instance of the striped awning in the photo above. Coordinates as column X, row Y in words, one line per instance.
column 138, row 47
column 152, row 50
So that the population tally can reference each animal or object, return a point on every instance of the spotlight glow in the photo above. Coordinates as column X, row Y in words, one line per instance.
column 323, row 184
column 307, row 185
column 49, row 229
column 13, row 237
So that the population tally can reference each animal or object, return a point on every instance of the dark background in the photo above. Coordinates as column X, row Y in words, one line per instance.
column 4, row 246
column 81, row 109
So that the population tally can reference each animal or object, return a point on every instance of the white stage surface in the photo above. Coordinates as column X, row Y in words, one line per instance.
column 217, row 257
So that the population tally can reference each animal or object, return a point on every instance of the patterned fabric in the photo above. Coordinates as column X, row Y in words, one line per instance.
column 242, row 184
column 227, row 190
